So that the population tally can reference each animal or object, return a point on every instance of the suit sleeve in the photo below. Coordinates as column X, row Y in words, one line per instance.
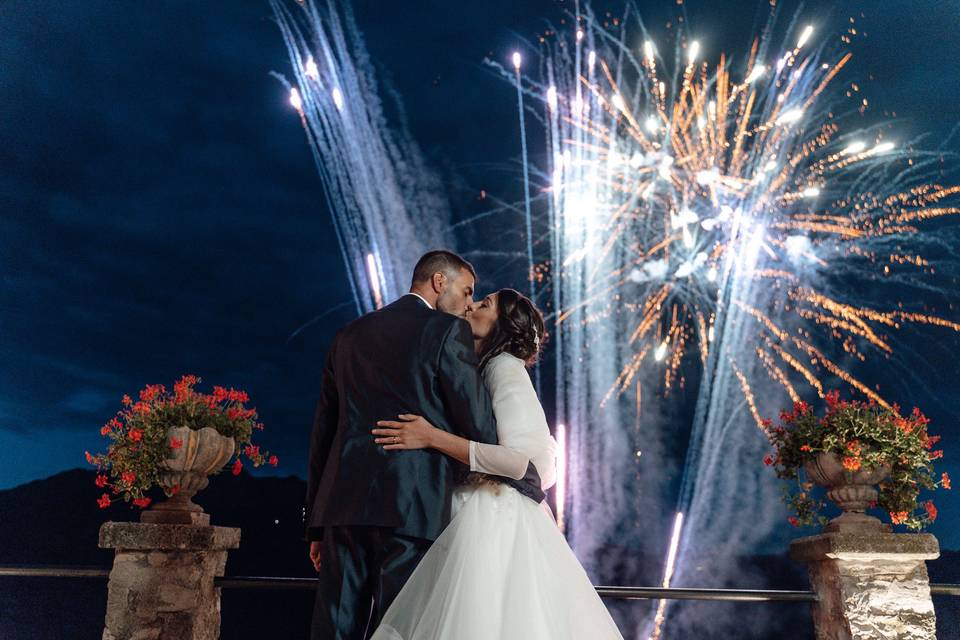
column 464, row 394
column 324, row 430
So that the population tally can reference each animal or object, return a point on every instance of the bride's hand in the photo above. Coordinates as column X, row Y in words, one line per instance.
column 409, row 432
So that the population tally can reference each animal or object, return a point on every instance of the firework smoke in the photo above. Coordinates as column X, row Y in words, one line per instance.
column 387, row 207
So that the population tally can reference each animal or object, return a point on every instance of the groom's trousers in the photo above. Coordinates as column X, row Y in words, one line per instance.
column 362, row 570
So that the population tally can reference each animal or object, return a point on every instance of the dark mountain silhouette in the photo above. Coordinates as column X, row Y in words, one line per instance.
column 55, row 522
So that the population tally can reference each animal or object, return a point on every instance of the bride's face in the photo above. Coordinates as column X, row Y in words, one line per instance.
column 482, row 316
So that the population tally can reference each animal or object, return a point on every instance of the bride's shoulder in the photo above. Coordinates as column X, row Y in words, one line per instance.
column 505, row 360
column 503, row 366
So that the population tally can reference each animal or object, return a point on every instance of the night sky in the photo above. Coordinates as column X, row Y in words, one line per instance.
column 160, row 212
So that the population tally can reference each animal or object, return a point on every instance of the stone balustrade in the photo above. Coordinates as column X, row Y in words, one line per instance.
column 870, row 585
column 162, row 582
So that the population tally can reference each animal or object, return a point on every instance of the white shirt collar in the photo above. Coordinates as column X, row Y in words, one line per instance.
column 421, row 297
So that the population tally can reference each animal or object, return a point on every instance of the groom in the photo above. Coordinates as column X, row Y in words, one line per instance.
column 370, row 514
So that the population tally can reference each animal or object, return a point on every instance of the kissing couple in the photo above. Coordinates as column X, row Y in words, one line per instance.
column 429, row 459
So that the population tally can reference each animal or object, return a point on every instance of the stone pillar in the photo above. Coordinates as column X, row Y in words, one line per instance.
column 161, row 585
column 871, row 586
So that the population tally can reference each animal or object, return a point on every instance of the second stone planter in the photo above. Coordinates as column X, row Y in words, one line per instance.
column 852, row 491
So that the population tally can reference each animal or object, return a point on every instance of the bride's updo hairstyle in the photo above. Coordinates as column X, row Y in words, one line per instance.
column 519, row 329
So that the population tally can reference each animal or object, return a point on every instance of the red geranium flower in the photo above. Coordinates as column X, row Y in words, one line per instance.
column 127, row 400
column 274, row 461
column 832, row 398
column 931, row 510
column 101, row 481
column 183, row 388
column 175, row 444
column 793, row 521
column 128, row 477
column 151, row 391
column 142, row 502
column 945, row 480
column 851, row 463
column 768, row 460
column 104, row 501
column 237, row 467
column 899, row 517
column 136, row 435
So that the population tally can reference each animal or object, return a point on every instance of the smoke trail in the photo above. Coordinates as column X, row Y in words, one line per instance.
column 387, row 206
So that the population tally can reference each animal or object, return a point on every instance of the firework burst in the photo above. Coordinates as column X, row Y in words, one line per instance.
column 671, row 194
column 736, row 217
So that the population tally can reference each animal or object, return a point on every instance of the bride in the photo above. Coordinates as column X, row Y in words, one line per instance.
column 501, row 569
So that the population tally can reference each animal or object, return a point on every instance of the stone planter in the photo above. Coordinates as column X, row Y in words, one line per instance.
column 852, row 491
column 204, row 452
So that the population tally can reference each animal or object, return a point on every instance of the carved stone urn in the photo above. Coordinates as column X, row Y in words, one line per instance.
column 203, row 452
column 852, row 491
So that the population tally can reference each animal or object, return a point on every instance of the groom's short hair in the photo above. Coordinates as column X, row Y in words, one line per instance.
column 446, row 262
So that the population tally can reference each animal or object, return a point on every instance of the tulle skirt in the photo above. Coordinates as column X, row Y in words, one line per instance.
column 500, row 571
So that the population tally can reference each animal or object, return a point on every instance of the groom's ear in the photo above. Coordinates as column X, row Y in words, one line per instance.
column 438, row 280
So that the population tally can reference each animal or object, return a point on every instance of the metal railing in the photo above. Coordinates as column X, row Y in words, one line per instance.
column 629, row 593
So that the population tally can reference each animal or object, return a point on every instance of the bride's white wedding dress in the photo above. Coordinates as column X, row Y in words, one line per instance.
column 501, row 570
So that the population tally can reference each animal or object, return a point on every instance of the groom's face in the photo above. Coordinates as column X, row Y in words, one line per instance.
column 457, row 293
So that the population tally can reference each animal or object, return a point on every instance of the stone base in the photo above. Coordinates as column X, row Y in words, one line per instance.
column 161, row 585
column 158, row 516
column 856, row 522
column 871, row 586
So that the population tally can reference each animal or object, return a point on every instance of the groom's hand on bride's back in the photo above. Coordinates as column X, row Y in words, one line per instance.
column 315, row 546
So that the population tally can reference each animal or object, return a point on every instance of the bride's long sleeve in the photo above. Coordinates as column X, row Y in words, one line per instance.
column 521, row 426
column 498, row 460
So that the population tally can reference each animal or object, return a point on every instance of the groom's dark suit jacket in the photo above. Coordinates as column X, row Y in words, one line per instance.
column 404, row 358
